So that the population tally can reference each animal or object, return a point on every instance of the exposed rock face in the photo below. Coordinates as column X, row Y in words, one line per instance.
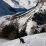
column 39, row 18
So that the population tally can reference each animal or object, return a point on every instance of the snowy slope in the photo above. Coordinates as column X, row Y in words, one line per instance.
column 31, row 40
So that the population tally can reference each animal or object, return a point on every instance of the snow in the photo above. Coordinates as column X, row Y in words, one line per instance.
column 31, row 40
column 44, row 6
column 4, row 21
column 22, row 21
column 7, row 23
column 38, row 8
column 3, row 41
column 30, row 24
column 22, row 3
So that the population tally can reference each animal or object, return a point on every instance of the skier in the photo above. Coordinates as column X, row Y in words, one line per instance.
column 21, row 40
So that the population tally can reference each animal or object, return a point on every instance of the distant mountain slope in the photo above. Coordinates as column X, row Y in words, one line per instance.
column 5, row 9
column 13, row 6
column 22, row 3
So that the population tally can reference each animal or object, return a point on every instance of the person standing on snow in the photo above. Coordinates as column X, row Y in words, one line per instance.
column 21, row 40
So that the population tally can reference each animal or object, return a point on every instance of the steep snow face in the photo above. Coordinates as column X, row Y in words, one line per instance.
column 22, row 3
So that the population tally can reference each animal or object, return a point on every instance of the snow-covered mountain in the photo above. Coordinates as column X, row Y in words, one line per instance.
column 13, row 6
column 21, row 24
column 22, row 3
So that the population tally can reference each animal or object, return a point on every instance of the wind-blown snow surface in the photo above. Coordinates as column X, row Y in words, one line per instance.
column 31, row 40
